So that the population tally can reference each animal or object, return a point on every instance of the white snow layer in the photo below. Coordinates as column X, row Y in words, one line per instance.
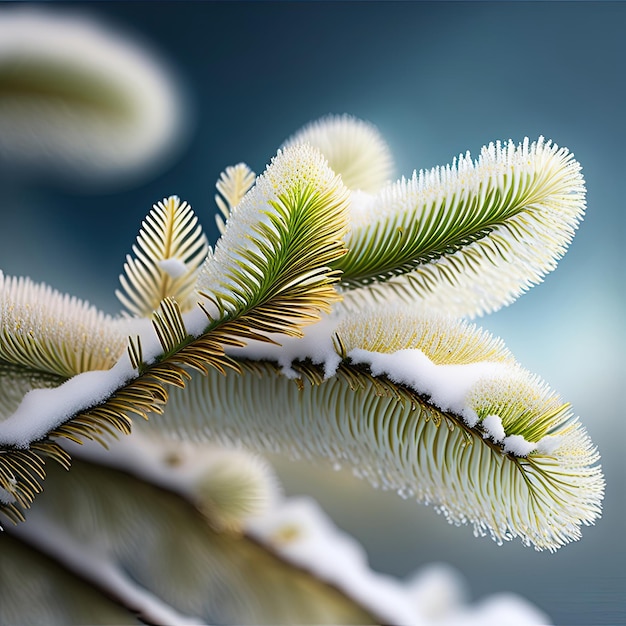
column 93, row 564
column 300, row 532
column 448, row 386
column 517, row 445
column 492, row 424
column 174, row 268
column 43, row 410
column 316, row 344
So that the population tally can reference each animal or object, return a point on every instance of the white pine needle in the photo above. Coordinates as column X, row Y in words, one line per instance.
column 170, row 248
column 470, row 237
column 354, row 148
column 232, row 186
column 46, row 330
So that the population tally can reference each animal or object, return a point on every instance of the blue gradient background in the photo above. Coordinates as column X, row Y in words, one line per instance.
column 437, row 79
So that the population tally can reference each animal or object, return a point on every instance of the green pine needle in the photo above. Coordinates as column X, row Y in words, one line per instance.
column 274, row 256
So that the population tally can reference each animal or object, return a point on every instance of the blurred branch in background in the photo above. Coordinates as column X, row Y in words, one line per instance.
column 82, row 104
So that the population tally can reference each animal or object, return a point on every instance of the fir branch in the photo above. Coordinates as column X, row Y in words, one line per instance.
column 116, row 532
column 469, row 237
column 170, row 248
column 355, row 150
column 397, row 439
column 169, row 325
column 294, row 285
column 22, row 469
column 53, row 333
column 505, row 454
column 273, row 259
column 232, row 186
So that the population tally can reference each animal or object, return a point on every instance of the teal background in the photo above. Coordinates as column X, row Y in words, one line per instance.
column 437, row 78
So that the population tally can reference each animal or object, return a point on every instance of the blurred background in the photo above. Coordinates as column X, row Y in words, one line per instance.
column 437, row 78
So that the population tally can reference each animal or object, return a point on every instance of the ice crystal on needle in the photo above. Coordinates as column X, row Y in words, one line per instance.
column 54, row 332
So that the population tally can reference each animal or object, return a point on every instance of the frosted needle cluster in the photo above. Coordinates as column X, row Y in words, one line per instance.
column 328, row 324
